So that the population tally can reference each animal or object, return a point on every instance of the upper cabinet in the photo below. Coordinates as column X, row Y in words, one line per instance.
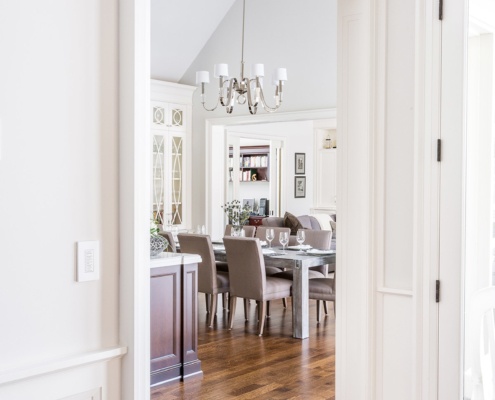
column 170, row 122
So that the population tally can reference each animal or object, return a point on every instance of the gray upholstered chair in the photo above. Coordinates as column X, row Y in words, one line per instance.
column 171, row 242
column 248, row 279
column 210, row 281
column 322, row 289
column 248, row 230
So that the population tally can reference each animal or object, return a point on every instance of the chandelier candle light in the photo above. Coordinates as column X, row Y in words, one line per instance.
column 250, row 89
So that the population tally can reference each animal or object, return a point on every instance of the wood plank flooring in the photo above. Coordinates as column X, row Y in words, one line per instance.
column 238, row 364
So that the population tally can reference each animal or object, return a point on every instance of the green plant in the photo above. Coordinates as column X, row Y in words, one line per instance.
column 153, row 228
column 237, row 214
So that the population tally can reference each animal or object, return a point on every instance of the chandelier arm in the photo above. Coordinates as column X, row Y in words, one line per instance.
column 265, row 105
column 252, row 104
column 203, row 101
column 230, row 94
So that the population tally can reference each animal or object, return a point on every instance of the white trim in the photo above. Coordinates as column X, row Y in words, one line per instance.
column 397, row 292
column 134, row 196
column 61, row 364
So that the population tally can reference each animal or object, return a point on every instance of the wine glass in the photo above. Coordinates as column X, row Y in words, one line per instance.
column 270, row 235
column 300, row 237
column 283, row 239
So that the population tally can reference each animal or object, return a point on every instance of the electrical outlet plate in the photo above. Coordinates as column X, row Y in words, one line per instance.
column 88, row 261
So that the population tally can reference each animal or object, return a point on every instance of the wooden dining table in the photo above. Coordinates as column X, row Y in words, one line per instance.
column 300, row 262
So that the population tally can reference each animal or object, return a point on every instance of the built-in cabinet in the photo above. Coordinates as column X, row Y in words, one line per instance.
column 254, row 164
column 170, row 113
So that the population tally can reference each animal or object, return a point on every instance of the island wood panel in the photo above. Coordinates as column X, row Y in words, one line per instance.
column 165, row 321
column 191, row 363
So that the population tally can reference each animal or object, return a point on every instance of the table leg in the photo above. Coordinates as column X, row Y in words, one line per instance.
column 300, row 302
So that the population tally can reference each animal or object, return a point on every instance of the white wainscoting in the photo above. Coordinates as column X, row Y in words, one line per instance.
column 87, row 375
column 394, row 336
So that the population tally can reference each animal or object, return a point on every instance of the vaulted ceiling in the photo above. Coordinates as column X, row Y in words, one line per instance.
column 179, row 30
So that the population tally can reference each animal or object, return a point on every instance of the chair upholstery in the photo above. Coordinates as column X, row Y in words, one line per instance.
column 322, row 289
column 171, row 242
column 248, row 230
column 210, row 281
column 248, row 279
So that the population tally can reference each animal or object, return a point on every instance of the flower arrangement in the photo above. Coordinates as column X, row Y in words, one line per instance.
column 153, row 228
column 237, row 214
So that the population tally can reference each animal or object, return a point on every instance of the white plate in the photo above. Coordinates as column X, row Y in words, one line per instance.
column 303, row 247
column 316, row 252
column 268, row 251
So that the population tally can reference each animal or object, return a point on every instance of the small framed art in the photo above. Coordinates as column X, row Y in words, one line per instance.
column 299, row 187
column 300, row 163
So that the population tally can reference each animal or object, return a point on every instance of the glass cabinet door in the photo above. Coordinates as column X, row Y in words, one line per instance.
column 177, row 179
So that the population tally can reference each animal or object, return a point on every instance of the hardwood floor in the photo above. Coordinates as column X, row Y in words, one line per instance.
column 239, row 364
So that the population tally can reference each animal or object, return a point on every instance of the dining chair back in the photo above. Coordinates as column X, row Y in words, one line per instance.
column 210, row 281
column 261, row 234
column 248, row 279
column 248, row 230
column 171, row 242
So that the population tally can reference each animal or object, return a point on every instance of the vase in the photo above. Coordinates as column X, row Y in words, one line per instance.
column 157, row 244
column 236, row 230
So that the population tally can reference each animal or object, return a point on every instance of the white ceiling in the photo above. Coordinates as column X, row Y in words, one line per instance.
column 179, row 30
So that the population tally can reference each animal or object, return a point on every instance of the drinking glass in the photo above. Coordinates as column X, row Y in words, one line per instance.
column 301, row 237
column 270, row 235
column 284, row 239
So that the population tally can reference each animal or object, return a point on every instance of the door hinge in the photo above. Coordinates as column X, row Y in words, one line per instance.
column 439, row 150
column 437, row 291
column 440, row 10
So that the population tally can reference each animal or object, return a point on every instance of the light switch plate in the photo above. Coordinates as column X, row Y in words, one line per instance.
column 88, row 261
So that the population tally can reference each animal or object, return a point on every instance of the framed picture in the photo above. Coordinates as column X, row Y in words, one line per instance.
column 299, row 187
column 249, row 202
column 300, row 163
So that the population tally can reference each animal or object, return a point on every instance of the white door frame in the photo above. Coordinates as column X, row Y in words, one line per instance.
column 452, row 227
column 134, row 196
column 355, row 376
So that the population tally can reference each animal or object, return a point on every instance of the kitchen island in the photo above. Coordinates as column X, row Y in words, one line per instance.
column 174, row 318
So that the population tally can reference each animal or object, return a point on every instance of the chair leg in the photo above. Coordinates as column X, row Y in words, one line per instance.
column 213, row 311
column 246, row 305
column 225, row 300
column 284, row 302
column 232, row 303
column 261, row 316
column 318, row 311
column 325, row 307
column 207, row 298
column 267, row 308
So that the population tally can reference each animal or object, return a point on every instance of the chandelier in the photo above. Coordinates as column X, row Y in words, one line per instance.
column 245, row 88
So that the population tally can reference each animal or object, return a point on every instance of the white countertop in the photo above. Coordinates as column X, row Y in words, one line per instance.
column 166, row 259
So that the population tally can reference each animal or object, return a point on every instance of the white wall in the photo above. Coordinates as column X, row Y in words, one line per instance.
column 299, row 138
column 300, row 36
column 58, row 185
